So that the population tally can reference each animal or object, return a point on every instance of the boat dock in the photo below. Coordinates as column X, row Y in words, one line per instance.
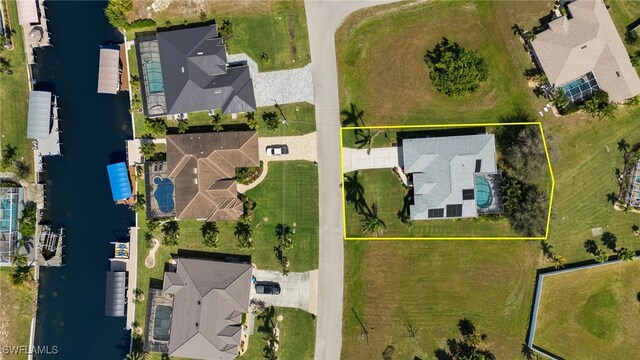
column 122, row 279
column 43, row 126
column 49, row 246
column 33, row 20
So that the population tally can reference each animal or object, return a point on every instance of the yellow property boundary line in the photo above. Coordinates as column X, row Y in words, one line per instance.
column 546, row 151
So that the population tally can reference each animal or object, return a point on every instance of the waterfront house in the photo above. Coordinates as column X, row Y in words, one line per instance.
column 582, row 52
column 202, row 169
column 198, row 313
column 186, row 70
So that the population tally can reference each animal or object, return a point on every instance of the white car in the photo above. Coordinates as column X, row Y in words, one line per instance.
column 277, row 150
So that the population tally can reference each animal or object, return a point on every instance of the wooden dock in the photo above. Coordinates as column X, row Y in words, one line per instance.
column 124, row 69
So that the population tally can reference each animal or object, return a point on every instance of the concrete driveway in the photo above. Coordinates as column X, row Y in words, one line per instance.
column 378, row 158
column 283, row 86
column 301, row 147
column 297, row 290
column 323, row 18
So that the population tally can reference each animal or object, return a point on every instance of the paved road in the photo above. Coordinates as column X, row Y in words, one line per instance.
column 323, row 18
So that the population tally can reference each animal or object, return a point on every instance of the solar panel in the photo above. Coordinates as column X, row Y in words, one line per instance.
column 468, row 194
column 454, row 210
column 435, row 213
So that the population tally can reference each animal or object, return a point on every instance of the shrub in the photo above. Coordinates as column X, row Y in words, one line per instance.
column 455, row 70
column 115, row 11
column 598, row 105
column 140, row 23
column 27, row 222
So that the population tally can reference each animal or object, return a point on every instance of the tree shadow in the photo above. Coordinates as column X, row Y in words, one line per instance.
column 471, row 346
column 354, row 194
column 590, row 246
column 609, row 240
column 612, row 198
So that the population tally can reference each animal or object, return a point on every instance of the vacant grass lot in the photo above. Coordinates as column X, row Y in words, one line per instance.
column 275, row 28
column 435, row 284
column 382, row 69
column 284, row 196
column 14, row 94
column 591, row 314
column 17, row 308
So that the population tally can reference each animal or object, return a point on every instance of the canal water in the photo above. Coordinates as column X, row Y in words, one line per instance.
column 70, row 322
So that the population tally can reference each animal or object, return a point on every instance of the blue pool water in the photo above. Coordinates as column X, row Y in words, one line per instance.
column 164, row 194
column 154, row 77
column 9, row 219
column 483, row 193
column 162, row 323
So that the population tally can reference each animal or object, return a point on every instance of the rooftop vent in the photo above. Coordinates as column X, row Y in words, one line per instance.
column 195, row 170
column 200, row 53
column 182, row 69
column 618, row 73
column 583, row 47
column 195, row 181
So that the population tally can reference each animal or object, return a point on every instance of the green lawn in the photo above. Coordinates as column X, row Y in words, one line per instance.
column 297, row 336
column 17, row 306
column 300, row 117
column 276, row 28
column 283, row 196
column 398, row 41
column 435, row 284
column 591, row 314
column 14, row 94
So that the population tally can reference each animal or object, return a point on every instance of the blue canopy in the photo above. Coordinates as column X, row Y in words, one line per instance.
column 119, row 179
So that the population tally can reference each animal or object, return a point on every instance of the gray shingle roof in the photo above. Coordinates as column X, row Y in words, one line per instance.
column 588, row 42
column 207, row 308
column 444, row 166
column 196, row 76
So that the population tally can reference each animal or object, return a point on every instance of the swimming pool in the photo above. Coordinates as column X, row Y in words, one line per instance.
column 9, row 219
column 483, row 193
column 164, row 194
column 153, row 76
column 162, row 323
column 580, row 88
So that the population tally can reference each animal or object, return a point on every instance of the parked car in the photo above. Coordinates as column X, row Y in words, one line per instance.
column 277, row 150
column 268, row 288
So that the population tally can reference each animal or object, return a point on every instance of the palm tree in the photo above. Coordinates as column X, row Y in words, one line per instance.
column 283, row 233
column 20, row 260
column 147, row 147
column 364, row 138
column 547, row 249
column 243, row 233
column 607, row 112
column 22, row 275
column 5, row 66
column 626, row 254
column 138, row 295
column 601, row 256
column 216, row 121
column 252, row 121
column 371, row 223
column 9, row 154
column 183, row 126
column 140, row 203
column 135, row 82
column 558, row 261
column 210, row 233
column 171, row 230
column 137, row 349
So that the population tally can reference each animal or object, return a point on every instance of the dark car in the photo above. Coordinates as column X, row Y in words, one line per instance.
column 268, row 288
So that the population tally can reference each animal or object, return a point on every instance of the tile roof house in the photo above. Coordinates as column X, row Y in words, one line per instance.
column 586, row 47
column 202, row 168
column 209, row 298
column 186, row 70
column 449, row 175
